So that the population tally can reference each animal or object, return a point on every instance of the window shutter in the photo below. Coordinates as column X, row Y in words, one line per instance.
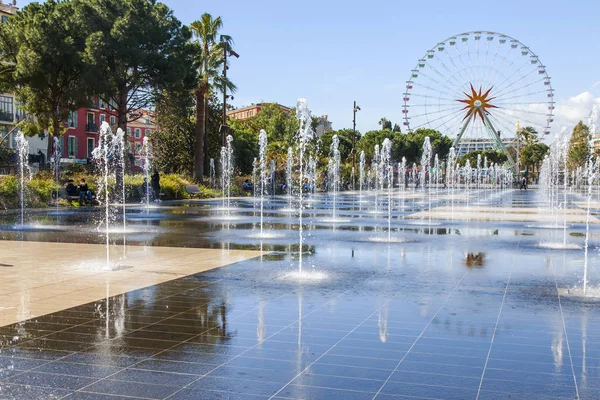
column 75, row 147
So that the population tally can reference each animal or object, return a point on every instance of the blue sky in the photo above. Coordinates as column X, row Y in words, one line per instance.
column 333, row 52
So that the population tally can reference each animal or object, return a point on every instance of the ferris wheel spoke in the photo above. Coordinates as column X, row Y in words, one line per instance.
column 505, row 94
column 430, row 97
column 509, row 77
column 456, row 68
column 450, row 131
column 505, row 59
column 445, row 115
column 442, row 111
column 520, row 118
column 432, row 79
column 492, row 71
column 436, row 90
column 465, row 68
column 503, row 91
column 517, row 101
column 443, row 64
column 454, row 85
column 503, row 126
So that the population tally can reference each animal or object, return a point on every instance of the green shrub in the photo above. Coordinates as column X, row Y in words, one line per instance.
column 41, row 188
column 38, row 192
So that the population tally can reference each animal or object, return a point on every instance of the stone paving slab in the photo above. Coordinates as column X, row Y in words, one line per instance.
column 516, row 214
column 40, row 278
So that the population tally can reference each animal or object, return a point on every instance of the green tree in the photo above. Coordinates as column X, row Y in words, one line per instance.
column 345, row 143
column 532, row 155
column 134, row 49
column 440, row 144
column 396, row 128
column 385, row 124
column 281, row 127
column 174, row 141
column 41, row 62
column 528, row 136
column 579, row 149
column 493, row 157
column 209, row 62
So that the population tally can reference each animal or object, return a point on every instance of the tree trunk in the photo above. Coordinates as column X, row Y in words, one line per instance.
column 199, row 130
column 121, row 123
column 50, row 147
column 206, row 158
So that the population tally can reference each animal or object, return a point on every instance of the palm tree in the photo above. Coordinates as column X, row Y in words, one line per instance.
column 210, row 64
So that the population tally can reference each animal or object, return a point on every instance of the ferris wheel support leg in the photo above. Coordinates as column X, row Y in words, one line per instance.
column 496, row 140
column 462, row 131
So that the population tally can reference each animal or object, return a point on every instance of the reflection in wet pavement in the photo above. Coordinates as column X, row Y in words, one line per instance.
column 457, row 311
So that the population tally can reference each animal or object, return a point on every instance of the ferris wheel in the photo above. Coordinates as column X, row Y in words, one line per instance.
column 478, row 85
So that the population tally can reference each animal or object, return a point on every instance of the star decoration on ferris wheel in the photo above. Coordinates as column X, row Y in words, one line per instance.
column 477, row 103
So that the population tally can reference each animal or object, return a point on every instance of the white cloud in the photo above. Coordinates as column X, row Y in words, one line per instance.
column 577, row 108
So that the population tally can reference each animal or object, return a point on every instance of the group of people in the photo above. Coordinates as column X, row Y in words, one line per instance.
column 82, row 190
column 86, row 196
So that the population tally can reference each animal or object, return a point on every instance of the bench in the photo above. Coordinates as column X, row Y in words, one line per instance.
column 193, row 190
column 62, row 193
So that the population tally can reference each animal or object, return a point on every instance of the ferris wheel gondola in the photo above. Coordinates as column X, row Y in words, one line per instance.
column 477, row 85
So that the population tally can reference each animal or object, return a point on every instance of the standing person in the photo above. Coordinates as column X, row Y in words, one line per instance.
column 155, row 181
column 523, row 183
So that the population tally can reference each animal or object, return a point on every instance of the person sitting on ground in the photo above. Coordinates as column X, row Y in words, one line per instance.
column 70, row 188
column 85, row 194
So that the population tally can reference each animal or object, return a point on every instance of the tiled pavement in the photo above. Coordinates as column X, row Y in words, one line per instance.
column 415, row 331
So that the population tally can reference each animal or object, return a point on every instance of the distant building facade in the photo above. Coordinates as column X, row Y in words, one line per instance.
column 323, row 126
column 252, row 110
column 469, row 145
column 83, row 130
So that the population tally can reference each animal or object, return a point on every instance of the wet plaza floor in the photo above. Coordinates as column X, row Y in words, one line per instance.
column 449, row 309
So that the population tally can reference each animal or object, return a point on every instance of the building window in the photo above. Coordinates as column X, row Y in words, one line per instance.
column 138, row 148
column 20, row 114
column 4, row 18
column 147, row 121
column 138, row 133
column 90, row 147
column 90, row 118
column 6, row 108
column 102, row 118
column 113, row 120
column 128, row 132
column 147, row 132
column 73, row 119
column 72, row 146
column 101, row 103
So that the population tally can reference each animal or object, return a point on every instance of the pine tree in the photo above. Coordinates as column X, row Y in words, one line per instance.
column 579, row 149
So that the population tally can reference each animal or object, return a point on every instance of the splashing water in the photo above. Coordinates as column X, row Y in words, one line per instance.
column 147, row 156
column 305, row 135
column 226, row 174
column 57, row 157
column 334, row 173
column 24, row 171
column 262, row 165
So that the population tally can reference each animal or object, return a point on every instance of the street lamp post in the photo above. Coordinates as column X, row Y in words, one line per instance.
column 226, row 51
column 356, row 108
